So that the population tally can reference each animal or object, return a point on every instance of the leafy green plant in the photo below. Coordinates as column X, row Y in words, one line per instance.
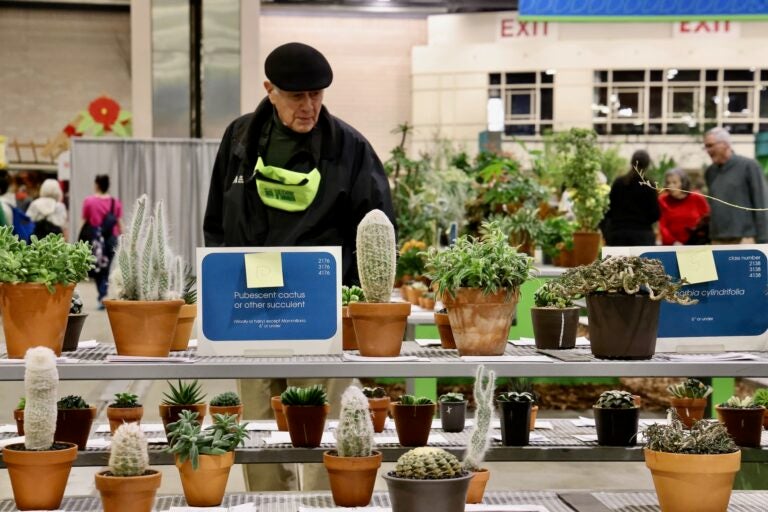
column 72, row 402
column 226, row 399
column 556, row 234
column 184, row 393
column 190, row 287
column 125, row 400
column 188, row 441
column 412, row 400
column 516, row 396
column 410, row 260
column 616, row 400
column 451, row 398
column 522, row 227
column 704, row 437
column 21, row 404
column 690, row 388
column 49, row 261
column 310, row 395
column 351, row 294
column 761, row 397
column 76, row 304
column 552, row 294
column 376, row 392
column 740, row 403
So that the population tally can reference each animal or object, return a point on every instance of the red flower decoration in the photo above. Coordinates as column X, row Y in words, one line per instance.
column 71, row 131
column 104, row 110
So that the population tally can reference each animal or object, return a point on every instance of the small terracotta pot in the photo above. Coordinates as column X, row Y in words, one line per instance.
column 480, row 322
column 119, row 415
column 170, row 413
column 444, row 328
column 379, row 408
column 426, row 303
column 765, row 420
column 306, row 424
column 477, row 485
column 143, row 328
column 352, row 478
column 277, row 409
column 237, row 410
column 72, row 333
column 38, row 479
column 586, row 247
column 534, row 414
column 745, row 426
column 184, row 325
column 690, row 410
column 18, row 416
column 379, row 327
column 128, row 493
column 414, row 294
column 205, row 486
column 74, row 426
column 348, row 337
column 413, row 423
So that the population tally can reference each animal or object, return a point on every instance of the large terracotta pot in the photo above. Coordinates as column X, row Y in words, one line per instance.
column 277, row 409
column 143, row 328
column 205, row 486
column 74, row 426
column 170, row 413
column 413, row 423
column 410, row 495
column 119, row 415
column 480, row 323
column 586, row 247
column 128, row 493
column 690, row 410
column 686, row 482
column 33, row 316
column 622, row 326
column 352, row 478
column 379, row 327
column 306, row 424
column 38, row 479
column 444, row 329
column 555, row 328
column 477, row 485
column 72, row 332
column 237, row 410
column 348, row 337
column 745, row 426
column 184, row 325
column 379, row 408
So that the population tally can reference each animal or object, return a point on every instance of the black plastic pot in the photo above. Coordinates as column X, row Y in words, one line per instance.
column 515, row 422
column 452, row 415
column 409, row 495
column 72, row 333
column 616, row 427
column 555, row 328
column 413, row 423
column 622, row 326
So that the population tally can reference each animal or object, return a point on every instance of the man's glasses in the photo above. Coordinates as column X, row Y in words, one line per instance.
column 711, row 144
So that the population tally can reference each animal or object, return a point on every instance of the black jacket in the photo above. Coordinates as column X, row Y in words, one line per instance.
column 353, row 183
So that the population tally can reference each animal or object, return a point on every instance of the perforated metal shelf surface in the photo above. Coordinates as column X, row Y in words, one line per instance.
column 646, row 501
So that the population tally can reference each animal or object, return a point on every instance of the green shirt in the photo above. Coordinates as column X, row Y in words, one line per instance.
column 283, row 144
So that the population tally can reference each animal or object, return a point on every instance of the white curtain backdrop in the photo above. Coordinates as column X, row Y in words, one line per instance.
column 175, row 170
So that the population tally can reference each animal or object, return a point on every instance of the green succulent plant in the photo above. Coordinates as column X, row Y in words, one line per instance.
column 740, row 403
column 704, row 437
column 412, row 400
column 451, row 398
column 761, row 397
column 351, row 294
column 72, row 402
column 184, row 393
column 311, row 395
column 125, row 400
column 426, row 463
column 552, row 294
column 690, row 388
column 516, row 396
column 226, row 399
column 188, row 441
column 376, row 392
column 616, row 400
column 21, row 404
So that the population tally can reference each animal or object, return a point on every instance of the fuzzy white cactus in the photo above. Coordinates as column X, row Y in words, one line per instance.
column 485, row 383
column 354, row 435
column 128, row 455
column 41, row 382
column 376, row 256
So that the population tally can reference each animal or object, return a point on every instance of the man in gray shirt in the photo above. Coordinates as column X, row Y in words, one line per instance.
column 739, row 181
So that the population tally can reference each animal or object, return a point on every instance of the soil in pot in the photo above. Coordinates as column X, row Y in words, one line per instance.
column 74, row 426
column 413, row 423
column 555, row 328
column 515, row 420
column 119, row 415
column 38, row 478
column 379, row 408
column 745, row 426
column 690, row 410
column 622, row 326
column 277, row 409
column 452, row 415
column 379, row 328
column 306, row 424
column 72, row 333
column 352, row 478
column 409, row 495
column 444, row 329
column 205, row 486
column 616, row 427
column 128, row 493
column 480, row 323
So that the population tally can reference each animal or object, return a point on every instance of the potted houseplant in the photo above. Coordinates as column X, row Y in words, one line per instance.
column 146, row 286
column 623, row 295
column 226, row 403
column 349, row 294
column 692, row 469
column 39, row 467
column 125, row 408
column 75, row 321
column 555, row 319
column 379, row 323
column 616, row 418
column 410, row 262
column 36, row 285
column 515, row 412
column 415, row 291
column 427, row 478
column 443, row 324
column 525, row 385
column 128, row 484
column 187, row 314
column 73, row 420
column 378, row 404
column 18, row 415
column 479, row 435
column 413, row 419
column 743, row 419
column 556, row 240
column 761, row 398
column 184, row 396
column 204, row 456
column 277, row 409
column 305, row 412
column 689, row 399
column 479, row 281
column 353, row 465
column 427, row 301
column 453, row 411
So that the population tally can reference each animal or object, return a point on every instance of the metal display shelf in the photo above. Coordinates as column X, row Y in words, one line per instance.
column 646, row 501
column 91, row 365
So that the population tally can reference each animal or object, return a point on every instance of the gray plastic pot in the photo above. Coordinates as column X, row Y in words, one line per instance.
column 409, row 495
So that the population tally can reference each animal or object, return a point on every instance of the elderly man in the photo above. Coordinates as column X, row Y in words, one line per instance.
column 292, row 174
column 740, row 181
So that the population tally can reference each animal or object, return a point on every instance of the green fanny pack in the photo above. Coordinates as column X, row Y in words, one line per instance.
column 286, row 190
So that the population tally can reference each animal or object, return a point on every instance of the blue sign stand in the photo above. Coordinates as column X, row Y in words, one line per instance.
column 303, row 316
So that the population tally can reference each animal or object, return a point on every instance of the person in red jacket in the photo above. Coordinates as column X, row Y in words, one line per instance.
column 681, row 212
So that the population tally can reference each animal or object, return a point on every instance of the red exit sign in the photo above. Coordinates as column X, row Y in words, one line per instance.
column 706, row 28
column 514, row 28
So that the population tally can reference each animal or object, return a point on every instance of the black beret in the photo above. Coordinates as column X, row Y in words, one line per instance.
column 298, row 67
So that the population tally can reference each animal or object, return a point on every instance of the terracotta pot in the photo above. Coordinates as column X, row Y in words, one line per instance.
column 277, row 408
column 33, row 316
column 413, row 423
column 636, row 317
column 477, row 485
column 586, row 247
column 306, row 424
column 480, row 323
column 170, row 413
column 72, row 331
column 765, row 420
column 184, row 325
column 426, row 303
column 379, row 327
column 616, row 427
column 566, row 259
column 205, row 486
column 515, row 419
column 555, row 328
column 379, row 408
column 119, row 415
column 18, row 416
column 352, row 478
column 452, row 415
column 690, row 410
column 143, row 328
column 410, row 495
column 444, row 328
column 348, row 337
column 745, row 426
column 237, row 410
column 414, row 294
column 128, row 493
column 686, row 482
column 534, row 415
column 38, row 479
column 74, row 426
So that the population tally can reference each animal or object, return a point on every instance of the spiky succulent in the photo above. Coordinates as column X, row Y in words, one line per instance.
column 479, row 438
column 690, row 388
column 184, row 393
column 426, row 463
column 376, row 392
column 616, row 400
column 125, row 400
column 451, row 398
column 376, row 256
column 740, row 403
column 516, row 396
column 311, row 395
column 704, row 437
column 412, row 400
column 761, row 397
column 354, row 435
column 188, row 441
column 226, row 399
column 128, row 455
column 72, row 402
column 41, row 382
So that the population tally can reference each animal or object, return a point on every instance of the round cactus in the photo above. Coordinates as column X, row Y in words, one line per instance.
column 354, row 435
column 425, row 463
column 128, row 456
column 41, row 383
column 376, row 256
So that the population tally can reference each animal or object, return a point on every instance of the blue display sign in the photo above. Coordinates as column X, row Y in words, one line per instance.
column 669, row 9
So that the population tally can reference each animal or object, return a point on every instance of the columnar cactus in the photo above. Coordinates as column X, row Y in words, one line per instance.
column 128, row 455
column 485, row 384
column 376, row 256
column 425, row 463
column 354, row 435
column 41, row 382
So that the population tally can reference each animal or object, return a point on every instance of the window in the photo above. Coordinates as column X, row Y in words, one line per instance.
column 528, row 100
